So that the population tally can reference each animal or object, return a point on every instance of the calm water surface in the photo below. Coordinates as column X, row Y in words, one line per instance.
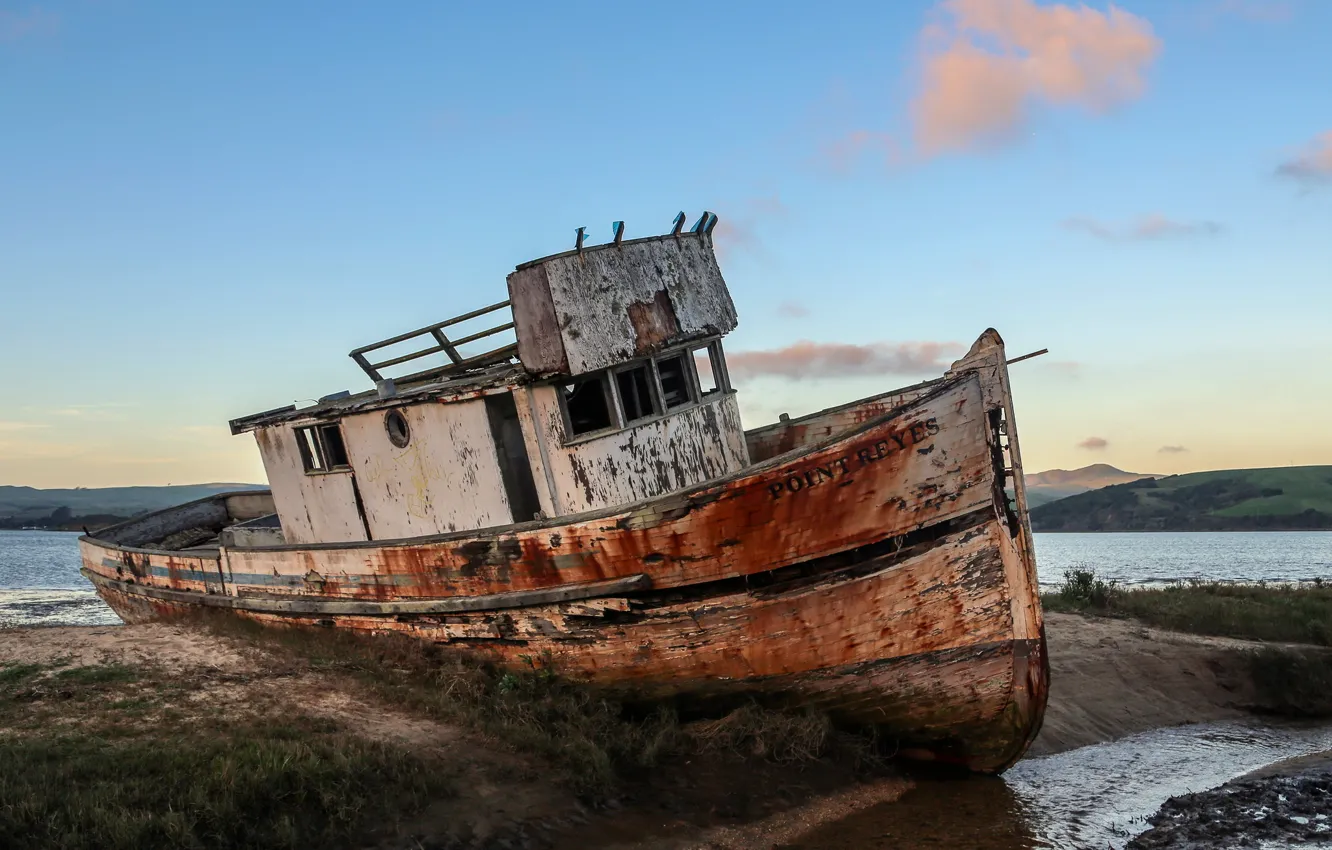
column 1158, row 557
column 40, row 583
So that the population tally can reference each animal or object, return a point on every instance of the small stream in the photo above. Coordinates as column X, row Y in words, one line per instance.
column 1093, row 797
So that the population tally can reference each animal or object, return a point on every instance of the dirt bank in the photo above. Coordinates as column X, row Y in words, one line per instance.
column 1110, row 678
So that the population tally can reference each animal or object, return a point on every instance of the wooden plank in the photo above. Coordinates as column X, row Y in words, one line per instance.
column 304, row 604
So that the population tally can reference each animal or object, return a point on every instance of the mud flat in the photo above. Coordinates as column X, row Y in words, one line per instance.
column 464, row 781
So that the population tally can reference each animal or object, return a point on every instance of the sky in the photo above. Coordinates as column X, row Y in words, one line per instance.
column 204, row 207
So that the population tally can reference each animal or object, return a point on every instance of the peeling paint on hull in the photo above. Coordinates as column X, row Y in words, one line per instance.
column 880, row 575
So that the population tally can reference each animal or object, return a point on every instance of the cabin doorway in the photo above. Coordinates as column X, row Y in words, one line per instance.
column 511, row 448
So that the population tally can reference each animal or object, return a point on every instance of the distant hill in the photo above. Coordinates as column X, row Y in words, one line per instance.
column 1291, row 498
column 1044, row 487
column 25, row 502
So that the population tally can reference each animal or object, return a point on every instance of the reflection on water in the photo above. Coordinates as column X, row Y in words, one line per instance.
column 1093, row 797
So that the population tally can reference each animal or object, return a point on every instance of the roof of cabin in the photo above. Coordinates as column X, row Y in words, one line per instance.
column 448, row 388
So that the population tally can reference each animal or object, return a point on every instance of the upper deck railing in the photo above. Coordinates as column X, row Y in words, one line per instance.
column 442, row 344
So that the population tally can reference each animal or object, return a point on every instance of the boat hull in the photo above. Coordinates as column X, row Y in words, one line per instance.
column 881, row 576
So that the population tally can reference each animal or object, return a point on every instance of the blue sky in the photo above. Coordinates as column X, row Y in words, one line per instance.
column 204, row 207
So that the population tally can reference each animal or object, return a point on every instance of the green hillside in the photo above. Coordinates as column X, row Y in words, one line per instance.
column 1296, row 497
column 29, row 502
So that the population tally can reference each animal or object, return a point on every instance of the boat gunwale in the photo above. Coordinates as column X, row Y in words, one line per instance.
column 944, row 384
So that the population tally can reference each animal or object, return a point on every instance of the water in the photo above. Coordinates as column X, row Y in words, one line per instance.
column 44, row 565
column 1092, row 797
column 1159, row 557
column 40, row 583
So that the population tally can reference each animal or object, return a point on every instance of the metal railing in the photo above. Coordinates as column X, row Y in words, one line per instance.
column 442, row 344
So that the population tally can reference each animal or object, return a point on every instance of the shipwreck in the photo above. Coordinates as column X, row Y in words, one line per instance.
column 586, row 494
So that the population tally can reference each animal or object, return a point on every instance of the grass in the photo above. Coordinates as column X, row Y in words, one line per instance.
column 1279, row 614
column 597, row 741
column 1294, row 682
column 253, row 785
column 113, row 756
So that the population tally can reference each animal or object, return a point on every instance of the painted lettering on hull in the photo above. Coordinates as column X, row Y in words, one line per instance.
column 859, row 458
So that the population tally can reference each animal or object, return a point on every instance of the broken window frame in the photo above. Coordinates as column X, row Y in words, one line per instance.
column 318, row 451
column 717, row 361
column 693, row 390
column 611, row 385
column 652, row 384
column 612, row 406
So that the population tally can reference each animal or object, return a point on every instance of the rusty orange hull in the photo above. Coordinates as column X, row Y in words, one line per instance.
column 878, row 570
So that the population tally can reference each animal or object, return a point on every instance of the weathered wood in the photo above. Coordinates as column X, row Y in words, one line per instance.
column 309, row 604
column 583, row 311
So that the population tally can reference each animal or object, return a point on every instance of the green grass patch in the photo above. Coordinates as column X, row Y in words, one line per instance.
column 98, row 674
column 257, row 784
column 1294, row 682
column 13, row 674
column 1281, row 614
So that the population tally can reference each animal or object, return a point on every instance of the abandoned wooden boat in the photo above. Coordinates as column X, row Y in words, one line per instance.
column 587, row 495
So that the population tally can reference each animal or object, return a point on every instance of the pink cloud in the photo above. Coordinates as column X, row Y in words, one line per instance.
column 1172, row 450
column 846, row 153
column 1313, row 166
column 792, row 310
column 1094, row 444
column 807, row 359
column 984, row 68
column 739, row 227
column 1144, row 228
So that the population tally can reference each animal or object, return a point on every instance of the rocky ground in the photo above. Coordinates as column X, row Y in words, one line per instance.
column 1281, row 811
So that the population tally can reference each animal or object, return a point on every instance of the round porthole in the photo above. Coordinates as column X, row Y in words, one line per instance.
column 396, row 424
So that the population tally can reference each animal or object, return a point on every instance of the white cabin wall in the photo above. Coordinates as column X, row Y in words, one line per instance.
column 318, row 508
column 685, row 448
column 446, row 479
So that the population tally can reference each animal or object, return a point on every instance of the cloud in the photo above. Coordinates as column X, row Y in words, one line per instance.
column 844, row 154
column 1145, row 228
column 1094, row 444
column 984, row 68
column 1172, row 450
column 19, row 25
column 1313, row 166
column 807, row 359
column 738, row 227
column 792, row 310
column 1067, row 368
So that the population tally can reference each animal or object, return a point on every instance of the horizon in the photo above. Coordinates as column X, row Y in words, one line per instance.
column 209, row 214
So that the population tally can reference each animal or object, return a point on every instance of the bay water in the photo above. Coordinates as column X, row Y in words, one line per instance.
column 40, row 583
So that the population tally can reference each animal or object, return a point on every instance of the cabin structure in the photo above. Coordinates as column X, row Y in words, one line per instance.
column 612, row 391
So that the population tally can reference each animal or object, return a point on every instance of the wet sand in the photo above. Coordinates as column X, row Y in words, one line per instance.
column 1110, row 679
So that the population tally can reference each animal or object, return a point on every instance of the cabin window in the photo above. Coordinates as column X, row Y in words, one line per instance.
column 710, row 367
column 321, row 448
column 677, row 385
column 636, row 393
column 399, row 433
column 587, row 404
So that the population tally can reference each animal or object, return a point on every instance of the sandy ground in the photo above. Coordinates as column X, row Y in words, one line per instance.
column 1110, row 678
